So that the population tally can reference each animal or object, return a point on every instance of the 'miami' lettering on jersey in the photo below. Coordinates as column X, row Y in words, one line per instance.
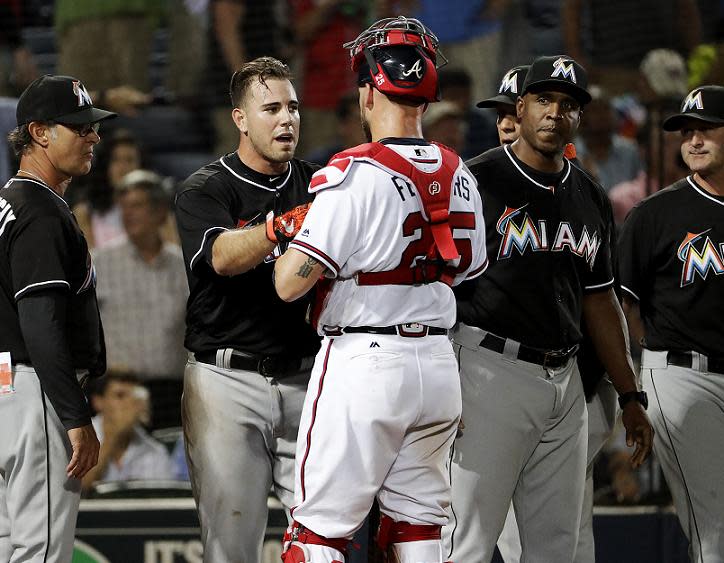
column 528, row 234
column 699, row 262
column 6, row 215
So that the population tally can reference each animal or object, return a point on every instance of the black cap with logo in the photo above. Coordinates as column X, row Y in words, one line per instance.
column 705, row 103
column 558, row 73
column 511, row 86
column 62, row 99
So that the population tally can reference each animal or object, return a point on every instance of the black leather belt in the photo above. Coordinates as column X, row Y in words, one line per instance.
column 268, row 366
column 408, row 330
column 686, row 360
column 553, row 359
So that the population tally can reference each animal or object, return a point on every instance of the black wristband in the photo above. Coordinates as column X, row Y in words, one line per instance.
column 639, row 396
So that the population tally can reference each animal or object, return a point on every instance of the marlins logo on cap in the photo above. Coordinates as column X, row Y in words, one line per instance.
column 510, row 87
column 558, row 73
column 564, row 67
column 693, row 101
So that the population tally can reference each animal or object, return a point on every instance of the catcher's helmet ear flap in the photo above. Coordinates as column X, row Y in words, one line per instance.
column 402, row 71
column 398, row 56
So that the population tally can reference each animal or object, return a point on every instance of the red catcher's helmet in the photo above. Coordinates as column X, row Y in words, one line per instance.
column 398, row 56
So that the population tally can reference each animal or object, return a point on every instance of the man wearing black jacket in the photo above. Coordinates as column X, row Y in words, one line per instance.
column 50, row 334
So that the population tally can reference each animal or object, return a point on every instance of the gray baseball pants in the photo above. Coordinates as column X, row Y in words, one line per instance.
column 38, row 501
column 525, row 439
column 240, row 431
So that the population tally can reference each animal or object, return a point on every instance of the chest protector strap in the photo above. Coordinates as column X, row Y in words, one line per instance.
column 434, row 189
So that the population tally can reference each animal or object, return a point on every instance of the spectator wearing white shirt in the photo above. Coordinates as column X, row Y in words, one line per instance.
column 142, row 292
column 127, row 451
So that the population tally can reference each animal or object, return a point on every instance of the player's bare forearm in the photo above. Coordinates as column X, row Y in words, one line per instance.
column 295, row 273
column 238, row 251
column 633, row 319
column 607, row 327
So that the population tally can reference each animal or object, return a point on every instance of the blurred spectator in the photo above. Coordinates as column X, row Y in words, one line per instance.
column 530, row 27
column 664, row 167
column 469, row 32
column 98, row 215
column 443, row 122
column 17, row 65
column 142, row 294
column 127, row 451
column 187, row 29
column 620, row 34
column 663, row 76
column 107, row 43
column 178, row 459
column 620, row 483
column 239, row 31
column 611, row 158
column 8, row 161
column 349, row 130
column 456, row 87
column 321, row 27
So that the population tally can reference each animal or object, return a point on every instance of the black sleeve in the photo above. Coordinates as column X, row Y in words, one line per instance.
column 39, row 256
column 42, row 316
column 202, row 215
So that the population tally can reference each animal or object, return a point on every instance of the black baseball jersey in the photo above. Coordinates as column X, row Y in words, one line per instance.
column 41, row 247
column 549, row 241
column 244, row 311
column 671, row 256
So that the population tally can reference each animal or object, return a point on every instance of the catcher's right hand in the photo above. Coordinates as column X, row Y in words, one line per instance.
column 283, row 228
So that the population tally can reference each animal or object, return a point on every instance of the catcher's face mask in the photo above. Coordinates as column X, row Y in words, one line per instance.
column 398, row 56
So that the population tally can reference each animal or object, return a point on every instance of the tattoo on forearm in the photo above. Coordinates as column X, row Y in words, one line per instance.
column 306, row 268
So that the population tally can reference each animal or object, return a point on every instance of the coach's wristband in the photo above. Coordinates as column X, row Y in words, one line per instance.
column 639, row 396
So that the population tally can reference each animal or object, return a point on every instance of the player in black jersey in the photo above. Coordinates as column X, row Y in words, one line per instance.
column 246, row 378
column 600, row 393
column 507, row 122
column 520, row 324
column 50, row 329
column 672, row 274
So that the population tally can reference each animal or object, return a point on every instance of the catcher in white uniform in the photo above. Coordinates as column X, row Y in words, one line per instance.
column 394, row 225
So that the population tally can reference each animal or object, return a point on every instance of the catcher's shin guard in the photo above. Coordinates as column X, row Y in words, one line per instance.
column 301, row 545
column 409, row 543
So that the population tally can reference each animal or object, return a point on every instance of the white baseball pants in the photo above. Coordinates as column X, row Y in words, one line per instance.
column 380, row 415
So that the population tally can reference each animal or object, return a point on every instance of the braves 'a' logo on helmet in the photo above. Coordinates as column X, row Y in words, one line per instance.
column 416, row 68
column 399, row 57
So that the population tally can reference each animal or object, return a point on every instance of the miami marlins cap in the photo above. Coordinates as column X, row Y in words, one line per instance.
column 62, row 99
column 511, row 86
column 559, row 73
column 705, row 103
